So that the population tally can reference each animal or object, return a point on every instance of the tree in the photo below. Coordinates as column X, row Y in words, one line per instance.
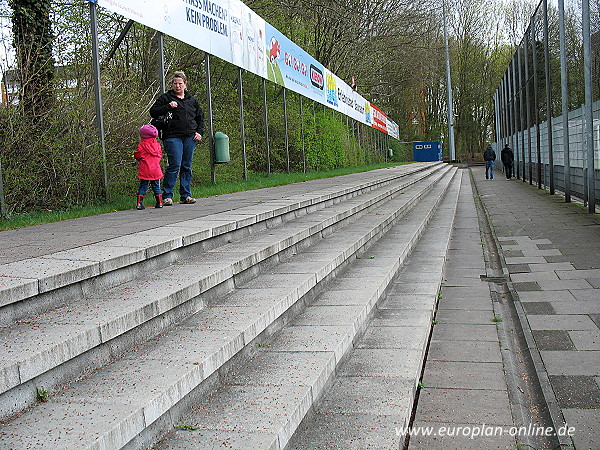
column 33, row 44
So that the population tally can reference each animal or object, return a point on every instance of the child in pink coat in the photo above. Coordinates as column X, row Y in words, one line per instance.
column 149, row 154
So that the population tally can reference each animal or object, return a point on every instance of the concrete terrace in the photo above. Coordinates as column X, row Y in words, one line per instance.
column 337, row 313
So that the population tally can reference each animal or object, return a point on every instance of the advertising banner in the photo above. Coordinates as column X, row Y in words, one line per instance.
column 290, row 66
column 379, row 119
column 233, row 32
column 392, row 129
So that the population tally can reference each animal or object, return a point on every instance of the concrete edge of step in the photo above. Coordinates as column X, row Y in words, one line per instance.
column 27, row 278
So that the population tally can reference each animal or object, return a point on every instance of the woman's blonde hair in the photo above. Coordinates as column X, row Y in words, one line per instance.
column 179, row 74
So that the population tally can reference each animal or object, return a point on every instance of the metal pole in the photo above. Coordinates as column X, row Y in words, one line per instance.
column 588, row 110
column 287, row 141
column 515, row 117
column 548, row 99
column 449, row 91
column 565, row 98
column 242, row 124
column 266, row 119
column 209, row 110
column 117, row 43
column 504, row 109
column 496, row 115
column 161, row 62
column 538, row 143
column 98, row 92
column 528, row 102
column 302, row 134
column 522, row 114
column 3, row 209
column 509, row 105
column 315, row 129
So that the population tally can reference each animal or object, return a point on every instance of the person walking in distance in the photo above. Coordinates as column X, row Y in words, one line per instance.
column 180, row 137
column 508, row 159
column 489, row 156
column 149, row 154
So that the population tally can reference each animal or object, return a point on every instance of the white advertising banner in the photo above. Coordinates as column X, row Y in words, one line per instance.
column 233, row 32
column 341, row 97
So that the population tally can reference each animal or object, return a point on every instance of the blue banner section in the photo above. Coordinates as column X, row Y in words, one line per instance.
column 290, row 66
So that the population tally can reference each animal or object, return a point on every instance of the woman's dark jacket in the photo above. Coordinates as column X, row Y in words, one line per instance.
column 188, row 117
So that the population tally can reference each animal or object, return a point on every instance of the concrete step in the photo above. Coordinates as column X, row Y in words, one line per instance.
column 262, row 401
column 58, row 345
column 370, row 402
column 31, row 285
column 48, row 350
column 132, row 401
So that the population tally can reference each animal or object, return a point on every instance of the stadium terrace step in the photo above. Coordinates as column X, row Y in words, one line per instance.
column 54, row 278
column 159, row 343
column 261, row 403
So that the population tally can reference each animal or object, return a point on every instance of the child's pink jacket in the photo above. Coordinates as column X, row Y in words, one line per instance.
column 149, row 154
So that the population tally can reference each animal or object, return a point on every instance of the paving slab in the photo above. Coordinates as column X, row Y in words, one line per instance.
column 464, row 375
column 349, row 432
column 585, row 423
column 441, row 436
column 561, row 322
column 460, row 406
column 459, row 332
column 572, row 362
column 474, row 351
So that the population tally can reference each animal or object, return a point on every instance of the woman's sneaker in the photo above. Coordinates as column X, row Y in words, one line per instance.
column 188, row 200
column 167, row 202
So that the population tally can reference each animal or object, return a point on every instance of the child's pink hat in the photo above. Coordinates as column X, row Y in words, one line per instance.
column 148, row 131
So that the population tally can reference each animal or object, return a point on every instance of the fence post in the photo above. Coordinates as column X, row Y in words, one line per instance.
column 515, row 116
column 588, row 109
column 538, row 140
column 528, row 102
column 548, row 98
column 521, row 114
column 565, row 99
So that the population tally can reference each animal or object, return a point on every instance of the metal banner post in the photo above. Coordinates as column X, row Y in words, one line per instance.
column 98, row 91
column 209, row 110
column 287, row 140
column 242, row 124
column 266, row 119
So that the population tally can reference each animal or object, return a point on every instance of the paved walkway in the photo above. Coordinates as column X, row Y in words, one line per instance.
column 552, row 252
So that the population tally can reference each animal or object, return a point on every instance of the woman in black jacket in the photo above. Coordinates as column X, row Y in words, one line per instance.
column 183, row 132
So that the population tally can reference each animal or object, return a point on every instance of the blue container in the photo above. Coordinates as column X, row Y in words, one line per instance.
column 425, row 151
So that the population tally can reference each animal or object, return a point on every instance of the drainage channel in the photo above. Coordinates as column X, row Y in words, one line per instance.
column 529, row 407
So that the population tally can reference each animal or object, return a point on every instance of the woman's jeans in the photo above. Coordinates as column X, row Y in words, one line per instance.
column 155, row 184
column 489, row 170
column 180, row 152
